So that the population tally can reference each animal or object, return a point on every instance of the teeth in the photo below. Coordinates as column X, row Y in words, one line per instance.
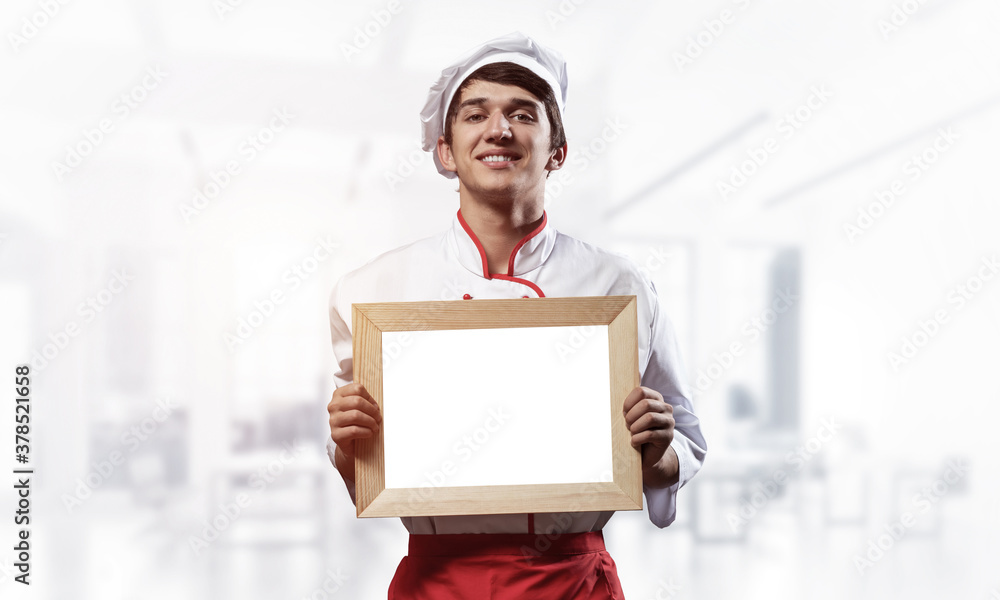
column 495, row 158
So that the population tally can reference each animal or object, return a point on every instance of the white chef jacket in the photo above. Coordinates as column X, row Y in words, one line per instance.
column 545, row 263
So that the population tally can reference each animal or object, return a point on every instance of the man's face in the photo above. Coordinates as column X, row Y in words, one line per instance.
column 500, row 141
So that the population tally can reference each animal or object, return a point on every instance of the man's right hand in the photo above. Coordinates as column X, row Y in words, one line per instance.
column 354, row 415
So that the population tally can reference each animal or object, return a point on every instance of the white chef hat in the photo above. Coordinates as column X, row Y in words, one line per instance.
column 514, row 47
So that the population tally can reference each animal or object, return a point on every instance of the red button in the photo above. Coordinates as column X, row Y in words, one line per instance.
column 525, row 296
column 467, row 297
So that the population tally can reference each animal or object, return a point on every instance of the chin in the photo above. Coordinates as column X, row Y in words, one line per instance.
column 497, row 192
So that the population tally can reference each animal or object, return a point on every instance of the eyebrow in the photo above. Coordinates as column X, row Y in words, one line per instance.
column 523, row 102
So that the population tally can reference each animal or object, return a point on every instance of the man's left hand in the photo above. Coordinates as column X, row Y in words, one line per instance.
column 651, row 422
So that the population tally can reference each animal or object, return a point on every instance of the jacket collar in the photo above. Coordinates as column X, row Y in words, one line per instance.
column 529, row 254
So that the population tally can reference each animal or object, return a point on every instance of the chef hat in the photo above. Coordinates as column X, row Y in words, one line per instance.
column 514, row 47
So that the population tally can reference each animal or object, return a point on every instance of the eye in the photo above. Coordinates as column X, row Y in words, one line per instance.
column 523, row 117
column 475, row 117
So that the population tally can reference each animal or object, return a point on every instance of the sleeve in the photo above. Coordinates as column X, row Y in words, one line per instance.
column 343, row 354
column 664, row 373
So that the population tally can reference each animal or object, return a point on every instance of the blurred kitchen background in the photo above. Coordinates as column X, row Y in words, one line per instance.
column 808, row 185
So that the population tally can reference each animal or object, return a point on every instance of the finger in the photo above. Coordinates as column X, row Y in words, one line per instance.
column 637, row 394
column 652, row 420
column 644, row 406
column 353, row 417
column 359, row 390
column 356, row 389
column 347, row 434
column 641, row 408
column 351, row 389
column 349, row 403
column 368, row 406
column 658, row 437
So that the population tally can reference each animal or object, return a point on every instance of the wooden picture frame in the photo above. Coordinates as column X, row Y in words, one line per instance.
column 574, row 327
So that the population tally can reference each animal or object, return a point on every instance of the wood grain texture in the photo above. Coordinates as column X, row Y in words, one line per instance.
column 491, row 314
column 500, row 499
column 369, row 458
column 624, row 365
column 624, row 492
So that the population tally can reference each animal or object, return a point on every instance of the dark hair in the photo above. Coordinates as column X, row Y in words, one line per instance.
column 507, row 73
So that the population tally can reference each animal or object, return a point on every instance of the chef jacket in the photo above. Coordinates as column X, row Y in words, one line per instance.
column 452, row 265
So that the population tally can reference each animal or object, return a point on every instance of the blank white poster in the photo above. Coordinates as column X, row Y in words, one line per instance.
column 512, row 406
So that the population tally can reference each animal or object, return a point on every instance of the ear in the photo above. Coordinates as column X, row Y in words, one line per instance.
column 445, row 156
column 557, row 159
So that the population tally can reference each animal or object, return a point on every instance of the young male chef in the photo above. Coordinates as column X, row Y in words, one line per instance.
column 494, row 121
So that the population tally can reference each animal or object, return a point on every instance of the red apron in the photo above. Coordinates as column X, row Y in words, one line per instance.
column 574, row 566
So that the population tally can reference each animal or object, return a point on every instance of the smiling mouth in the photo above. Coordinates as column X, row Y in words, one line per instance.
column 498, row 160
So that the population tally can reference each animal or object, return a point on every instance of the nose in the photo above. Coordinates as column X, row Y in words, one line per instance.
column 498, row 127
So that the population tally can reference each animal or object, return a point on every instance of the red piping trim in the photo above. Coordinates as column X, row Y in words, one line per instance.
column 510, row 263
column 482, row 253
column 537, row 289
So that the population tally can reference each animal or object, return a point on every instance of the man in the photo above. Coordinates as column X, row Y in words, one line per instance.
column 494, row 121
